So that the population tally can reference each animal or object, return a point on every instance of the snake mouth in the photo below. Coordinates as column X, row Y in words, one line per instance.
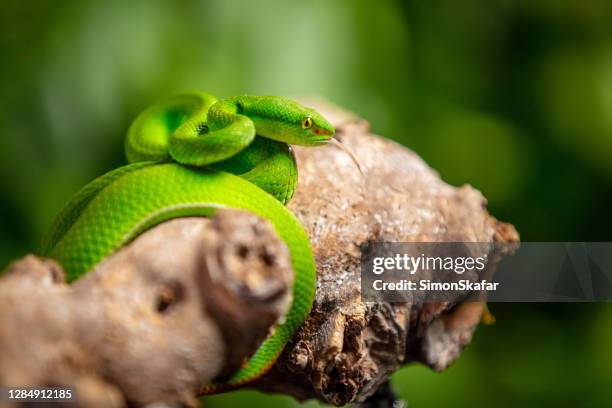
column 321, row 141
column 322, row 135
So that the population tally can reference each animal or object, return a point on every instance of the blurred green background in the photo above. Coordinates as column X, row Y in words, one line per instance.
column 513, row 97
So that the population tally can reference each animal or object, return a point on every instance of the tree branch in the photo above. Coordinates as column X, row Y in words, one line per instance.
column 189, row 299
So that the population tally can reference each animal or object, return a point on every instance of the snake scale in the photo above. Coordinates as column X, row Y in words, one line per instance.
column 189, row 155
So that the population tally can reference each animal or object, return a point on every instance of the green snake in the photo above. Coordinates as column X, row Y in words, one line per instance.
column 190, row 155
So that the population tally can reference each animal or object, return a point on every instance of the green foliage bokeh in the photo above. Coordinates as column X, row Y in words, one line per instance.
column 514, row 98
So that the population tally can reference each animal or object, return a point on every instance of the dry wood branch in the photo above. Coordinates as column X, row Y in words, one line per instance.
column 189, row 299
column 171, row 311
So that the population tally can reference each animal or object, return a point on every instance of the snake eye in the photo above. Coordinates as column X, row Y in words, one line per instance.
column 307, row 122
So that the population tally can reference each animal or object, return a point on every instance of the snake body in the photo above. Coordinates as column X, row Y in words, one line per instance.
column 190, row 155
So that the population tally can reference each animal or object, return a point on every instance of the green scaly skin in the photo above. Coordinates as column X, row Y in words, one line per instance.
column 190, row 155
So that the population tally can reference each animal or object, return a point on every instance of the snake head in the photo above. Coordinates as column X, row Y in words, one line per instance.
column 287, row 121
column 316, row 129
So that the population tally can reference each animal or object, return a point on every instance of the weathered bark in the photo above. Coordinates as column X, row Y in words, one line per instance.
column 181, row 305
column 189, row 299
